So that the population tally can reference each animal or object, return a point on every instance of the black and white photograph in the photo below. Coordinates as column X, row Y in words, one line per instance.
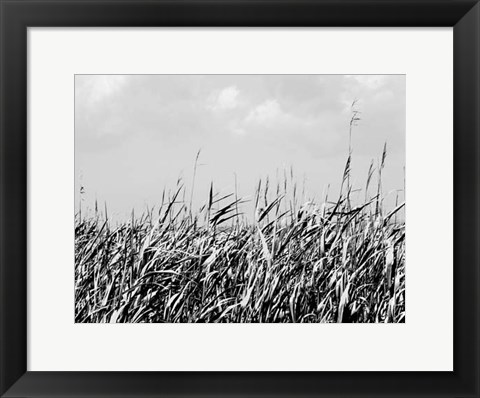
column 240, row 198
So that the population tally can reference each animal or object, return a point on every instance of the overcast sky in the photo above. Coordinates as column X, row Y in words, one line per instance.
column 136, row 134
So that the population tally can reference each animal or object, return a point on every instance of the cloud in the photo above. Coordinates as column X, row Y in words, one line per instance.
column 93, row 89
column 266, row 113
column 268, row 124
column 372, row 82
column 225, row 99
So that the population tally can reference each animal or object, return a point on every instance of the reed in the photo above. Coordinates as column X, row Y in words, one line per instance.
column 294, row 262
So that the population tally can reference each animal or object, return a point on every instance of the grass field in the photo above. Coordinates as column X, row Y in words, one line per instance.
column 330, row 261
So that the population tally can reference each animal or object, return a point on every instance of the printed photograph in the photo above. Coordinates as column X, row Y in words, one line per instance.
column 240, row 198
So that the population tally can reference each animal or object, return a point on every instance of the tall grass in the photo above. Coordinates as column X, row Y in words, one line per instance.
column 290, row 262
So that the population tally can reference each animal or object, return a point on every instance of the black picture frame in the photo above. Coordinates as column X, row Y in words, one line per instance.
column 18, row 15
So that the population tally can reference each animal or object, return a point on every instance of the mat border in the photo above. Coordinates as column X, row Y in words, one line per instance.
column 17, row 15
